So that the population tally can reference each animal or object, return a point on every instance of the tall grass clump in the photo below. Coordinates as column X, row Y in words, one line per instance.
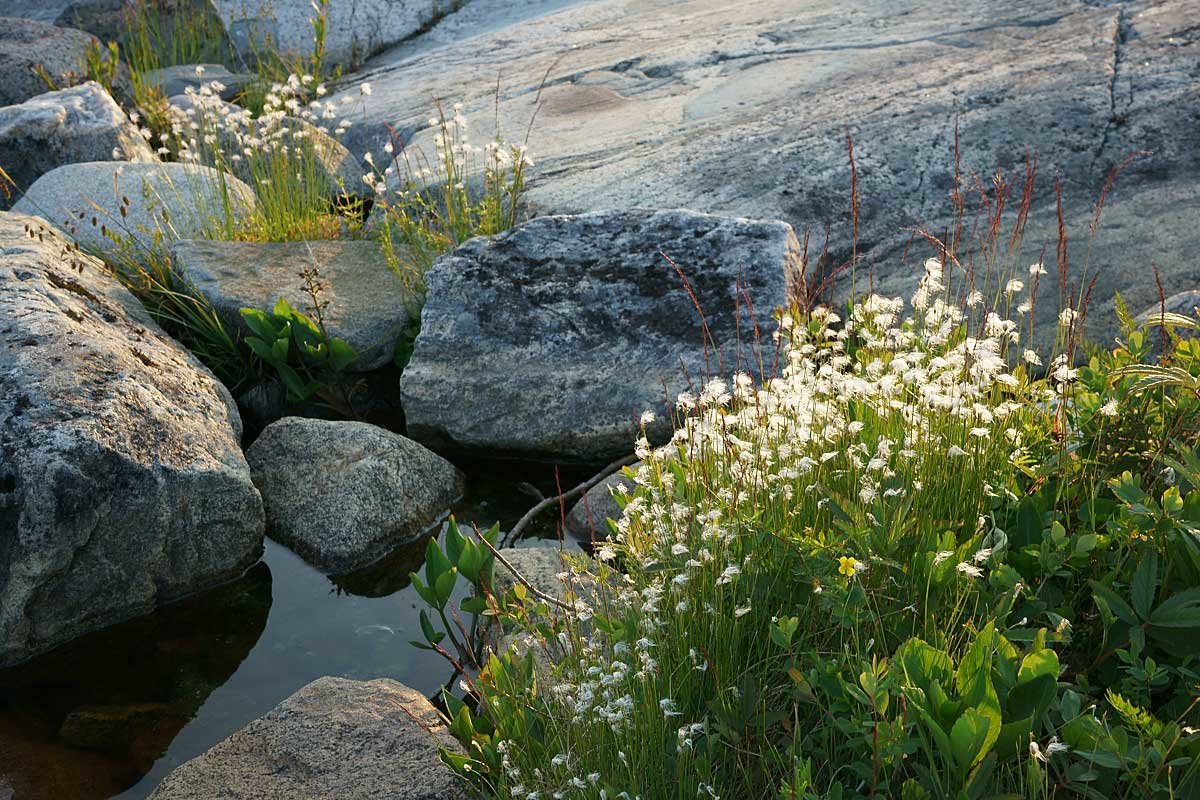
column 287, row 153
column 165, row 33
column 921, row 559
column 432, row 204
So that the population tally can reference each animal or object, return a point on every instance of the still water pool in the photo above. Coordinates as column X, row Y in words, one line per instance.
column 110, row 715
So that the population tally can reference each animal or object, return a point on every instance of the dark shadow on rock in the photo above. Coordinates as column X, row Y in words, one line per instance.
column 89, row 719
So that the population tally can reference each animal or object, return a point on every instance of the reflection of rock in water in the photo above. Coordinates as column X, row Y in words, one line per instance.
column 386, row 576
column 89, row 719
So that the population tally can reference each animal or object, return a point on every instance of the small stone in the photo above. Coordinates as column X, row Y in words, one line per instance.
column 334, row 739
column 116, row 729
column 82, row 123
column 178, row 79
column 368, row 305
column 586, row 520
column 344, row 494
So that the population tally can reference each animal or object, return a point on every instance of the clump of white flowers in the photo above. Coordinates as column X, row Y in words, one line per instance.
column 885, row 422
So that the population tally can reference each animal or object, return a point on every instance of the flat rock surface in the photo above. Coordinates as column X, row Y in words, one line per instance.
column 549, row 341
column 743, row 108
column 368, row 305
column 82, row 123
column 28, row 43
column 122, row 480
column 162, row 203
column 334, row 739
column 343, row 494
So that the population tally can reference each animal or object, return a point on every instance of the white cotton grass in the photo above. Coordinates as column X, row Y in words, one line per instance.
column 444, row 188
column 282, row 152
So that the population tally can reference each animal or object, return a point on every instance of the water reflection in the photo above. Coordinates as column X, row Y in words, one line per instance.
column 112, row 715
column 90, row 719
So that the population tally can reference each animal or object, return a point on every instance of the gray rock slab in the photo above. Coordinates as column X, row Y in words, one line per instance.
column 368, row 305
column 356, row 28
column 334, row 739
column 122, row 480
column 162, row 203
column 549, row 341
column 748, row 112
column 82, row 123
column 343, row 494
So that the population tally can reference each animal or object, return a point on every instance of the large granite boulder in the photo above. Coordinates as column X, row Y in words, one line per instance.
column 549, row 341
column 334, row 739
column 122, row 481
column 108, row 206
column 27, row 47
column 368, row 305
column 82, row 123
column 748, row 114
column 343, row 494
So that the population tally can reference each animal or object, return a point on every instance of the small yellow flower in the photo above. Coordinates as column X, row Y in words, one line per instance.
column 847, row 566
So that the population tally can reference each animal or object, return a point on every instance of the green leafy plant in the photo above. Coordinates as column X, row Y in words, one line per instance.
column 299, row 350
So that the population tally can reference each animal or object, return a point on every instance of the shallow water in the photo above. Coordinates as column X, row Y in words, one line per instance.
column 110, row 715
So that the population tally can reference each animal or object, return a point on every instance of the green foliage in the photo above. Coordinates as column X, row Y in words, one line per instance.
column 851, row 619
column 306, row 358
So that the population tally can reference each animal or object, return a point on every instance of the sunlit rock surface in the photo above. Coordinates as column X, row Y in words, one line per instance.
column 122, row 480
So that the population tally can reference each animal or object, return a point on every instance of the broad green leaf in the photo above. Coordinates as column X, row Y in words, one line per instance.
column 969, row 739
column 1030, row 699
column 1145, row 582
column 436, row 563
column 1115, row 604
column 1038, row 664
column 924, row 664
column 445, row 586
column 1180, row 610
column 260, row 323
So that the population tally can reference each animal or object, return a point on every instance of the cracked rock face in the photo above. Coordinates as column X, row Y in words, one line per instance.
column 748, row 112
column 334, row 739
column 343, row 494
column 122, row 481
column 69, row 126
column 550, row 340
